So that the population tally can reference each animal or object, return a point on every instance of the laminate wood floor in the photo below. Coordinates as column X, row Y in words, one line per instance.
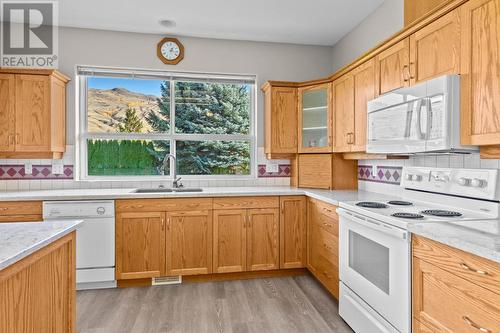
column 298, row 304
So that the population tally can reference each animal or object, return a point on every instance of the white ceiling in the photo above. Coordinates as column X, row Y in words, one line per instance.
column 314, row 22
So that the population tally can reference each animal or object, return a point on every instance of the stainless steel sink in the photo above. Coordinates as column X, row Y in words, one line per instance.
column 167, row 190
column 152, row 190
column 188, row 189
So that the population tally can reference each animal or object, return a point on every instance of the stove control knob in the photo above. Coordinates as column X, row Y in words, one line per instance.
column 476, row 182
column 409, row 176
column 464, row 181
column 417, row 178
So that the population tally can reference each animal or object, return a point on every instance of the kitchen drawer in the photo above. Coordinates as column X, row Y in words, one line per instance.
column 246, row 202
column 327, row 245
column 480, row 271
column 327, row 209
column 21, row 208
column 328, row 274
column 445, row 302
column 161, row 205
column 21, row 218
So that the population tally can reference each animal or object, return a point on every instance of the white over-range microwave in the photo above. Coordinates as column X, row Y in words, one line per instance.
column 424, row 118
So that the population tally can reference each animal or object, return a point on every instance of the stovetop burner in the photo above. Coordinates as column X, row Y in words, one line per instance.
column 371, row 204
column 408, row 215
column 400, row 203
column 441, row 213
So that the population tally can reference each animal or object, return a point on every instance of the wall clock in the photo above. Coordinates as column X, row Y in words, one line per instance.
column 170, row 51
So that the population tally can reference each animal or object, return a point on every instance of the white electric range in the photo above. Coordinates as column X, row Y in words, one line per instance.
column 375, row 247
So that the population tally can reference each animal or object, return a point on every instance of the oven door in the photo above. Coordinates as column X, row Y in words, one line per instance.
column 375, row 265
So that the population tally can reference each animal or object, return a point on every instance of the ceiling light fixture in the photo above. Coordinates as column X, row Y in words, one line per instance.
column 167, row 23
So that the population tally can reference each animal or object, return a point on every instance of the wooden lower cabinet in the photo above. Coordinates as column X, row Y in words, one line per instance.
column 140, row 245
column 246, row 240
column 322, row 244
column 189, row 242
column 230, row 240
column 293, row 250
column 37, row 294
column 263, row 239
column 443, row 300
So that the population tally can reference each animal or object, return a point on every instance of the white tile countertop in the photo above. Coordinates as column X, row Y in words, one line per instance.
column 332, row 197
column 481, row 238
column 19, row 240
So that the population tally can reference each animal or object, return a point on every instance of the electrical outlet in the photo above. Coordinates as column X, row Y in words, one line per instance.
column 57, row 167
column 272, row 167
column 28, row 168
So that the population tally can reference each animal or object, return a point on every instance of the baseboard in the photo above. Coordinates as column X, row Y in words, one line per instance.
column 220, row 277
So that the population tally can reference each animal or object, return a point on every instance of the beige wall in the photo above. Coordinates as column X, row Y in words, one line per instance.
column 269, row 61
column 381, row 24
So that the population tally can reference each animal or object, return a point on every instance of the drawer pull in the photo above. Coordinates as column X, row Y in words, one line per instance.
column 327, row 210
column 325, row 273
column 3, row 209
column 327, row 225
column 138, row 206
column 329, row 248
column 476, row 326
column 468, row 268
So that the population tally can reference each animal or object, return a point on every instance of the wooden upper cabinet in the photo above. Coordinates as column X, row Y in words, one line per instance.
column 230, row 240
column 140, row 245
column 263, row 239
column 343, row 113
column 32, row 113
column 435, row 49
column 480, row 72
column 8, row 112
column 392, row 67
column 189, row 242
column 315, row 171
column 34, row 123
column 280, row 120
column 293, row 232
column 315, row 119
column 417, row 9
column 364, row 91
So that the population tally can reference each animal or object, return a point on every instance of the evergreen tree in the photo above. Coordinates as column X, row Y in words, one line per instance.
column 206, row 108
column 131, row 123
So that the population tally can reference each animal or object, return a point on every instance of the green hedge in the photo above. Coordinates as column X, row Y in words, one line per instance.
column 113, row 157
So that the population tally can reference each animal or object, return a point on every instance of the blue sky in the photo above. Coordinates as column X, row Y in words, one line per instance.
column 148, row 87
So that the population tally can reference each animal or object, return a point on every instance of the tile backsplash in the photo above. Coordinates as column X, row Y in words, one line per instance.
column 13, row 176
column 383, row 180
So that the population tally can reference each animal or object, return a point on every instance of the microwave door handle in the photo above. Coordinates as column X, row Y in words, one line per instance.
column 418, row 125
column 429, row 118
column 409, row 113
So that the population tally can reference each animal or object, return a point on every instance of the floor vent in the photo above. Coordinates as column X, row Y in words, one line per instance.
column 163, row 280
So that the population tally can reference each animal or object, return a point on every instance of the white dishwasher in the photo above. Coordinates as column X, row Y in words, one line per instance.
column 95, row 240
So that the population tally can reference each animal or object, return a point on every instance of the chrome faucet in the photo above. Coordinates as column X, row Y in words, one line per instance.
column 176, row 183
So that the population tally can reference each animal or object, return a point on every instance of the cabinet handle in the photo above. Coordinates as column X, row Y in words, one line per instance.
column 325, row 273
column 17, row 138
column 329, row 248
column 168, row 224
column 468, row 268
column 162, row 224
column 327, row 210
column 138, row 206
column 3, row 209
column 476, row 326
column 410, row 71
column 406, row 73
column 327, row 225
column 11, row 139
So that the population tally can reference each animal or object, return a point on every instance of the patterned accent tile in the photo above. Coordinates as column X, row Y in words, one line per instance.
column 17, row 172
column 285, row 170
column 385, row 174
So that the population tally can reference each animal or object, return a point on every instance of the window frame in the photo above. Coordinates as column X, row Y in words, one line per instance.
column 82, row 134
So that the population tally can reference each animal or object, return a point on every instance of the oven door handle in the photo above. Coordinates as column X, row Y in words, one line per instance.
column 374, row 224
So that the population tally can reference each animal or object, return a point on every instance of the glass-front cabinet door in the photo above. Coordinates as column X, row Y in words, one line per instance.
column 315, row 126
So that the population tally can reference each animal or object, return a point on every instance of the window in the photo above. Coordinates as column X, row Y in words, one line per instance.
column 129, row 121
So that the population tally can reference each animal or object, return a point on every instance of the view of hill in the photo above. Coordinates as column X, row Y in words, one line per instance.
column 107, row 108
